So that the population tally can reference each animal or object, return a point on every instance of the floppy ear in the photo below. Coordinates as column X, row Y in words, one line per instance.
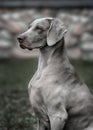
column 56, row 32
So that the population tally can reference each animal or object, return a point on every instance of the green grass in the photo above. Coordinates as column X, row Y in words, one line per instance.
column 85, row 71
column 15, row 109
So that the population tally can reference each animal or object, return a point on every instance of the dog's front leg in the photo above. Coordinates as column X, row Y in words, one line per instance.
column 57, row 121
column 41, row 126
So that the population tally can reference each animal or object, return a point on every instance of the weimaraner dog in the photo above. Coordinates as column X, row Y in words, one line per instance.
column 60, row 100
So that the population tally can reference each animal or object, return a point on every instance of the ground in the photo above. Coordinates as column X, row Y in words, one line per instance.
column 15, row 109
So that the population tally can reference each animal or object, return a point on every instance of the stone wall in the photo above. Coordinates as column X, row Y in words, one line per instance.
column 79, row 39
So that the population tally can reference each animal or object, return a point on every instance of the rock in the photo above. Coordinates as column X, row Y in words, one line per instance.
column 66, row 18
column 84, row 20
column 6, row 16
column 79, row 19
column 71, row 41
column 87, row 46
column 74, row 53
column 5, row 48
column 5, row 35
column 91, row 16
column 37, row 16
column 85, row 12
column 79, row 23
column 76, row 19
column 87, row 51
column 1, row 24
column 47, row 12
column 77, row 30
column 89, row 28
column 86, row 37
column 5, row 44
column 27, row 15
column 76, row 11
column 15, row 27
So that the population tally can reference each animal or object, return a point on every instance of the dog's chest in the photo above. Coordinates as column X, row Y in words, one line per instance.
column 37, row 101
column 44, row 91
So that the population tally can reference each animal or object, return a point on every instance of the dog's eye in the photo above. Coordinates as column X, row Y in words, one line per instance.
column 38, row 29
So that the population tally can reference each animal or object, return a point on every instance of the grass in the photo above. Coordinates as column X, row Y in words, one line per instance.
column 85, row 71
column 15, row 109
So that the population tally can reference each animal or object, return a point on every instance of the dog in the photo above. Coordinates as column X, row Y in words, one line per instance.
column 59, row 98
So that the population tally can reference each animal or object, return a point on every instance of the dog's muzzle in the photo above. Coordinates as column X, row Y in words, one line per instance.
column 21, row 40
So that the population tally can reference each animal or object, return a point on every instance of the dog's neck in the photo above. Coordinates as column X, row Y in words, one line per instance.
column 53, row 55
column 55, row 60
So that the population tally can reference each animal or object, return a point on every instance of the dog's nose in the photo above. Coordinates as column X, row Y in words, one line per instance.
column 21, row 39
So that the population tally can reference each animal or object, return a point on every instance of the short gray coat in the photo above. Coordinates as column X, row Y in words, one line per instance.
column 59, row 98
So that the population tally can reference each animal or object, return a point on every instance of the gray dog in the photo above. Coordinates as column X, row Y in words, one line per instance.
column 60, row 100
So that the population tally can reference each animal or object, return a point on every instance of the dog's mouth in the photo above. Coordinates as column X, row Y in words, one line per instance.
column 24, row 47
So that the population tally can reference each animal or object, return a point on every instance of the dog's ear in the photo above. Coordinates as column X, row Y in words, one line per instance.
column 56, row 32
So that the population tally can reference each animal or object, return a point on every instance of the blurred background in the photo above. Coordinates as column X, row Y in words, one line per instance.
column 17, row 66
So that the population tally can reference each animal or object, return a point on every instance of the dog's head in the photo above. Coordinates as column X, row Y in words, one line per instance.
column 42, row 32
